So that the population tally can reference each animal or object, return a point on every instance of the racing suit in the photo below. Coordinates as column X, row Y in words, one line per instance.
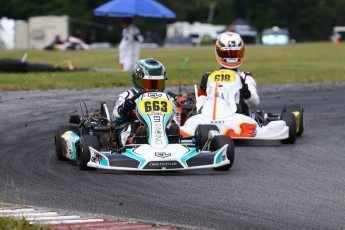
column 247, row 97
column 128, row 122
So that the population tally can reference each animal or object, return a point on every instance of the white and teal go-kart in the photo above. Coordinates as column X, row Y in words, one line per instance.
column 91, row 141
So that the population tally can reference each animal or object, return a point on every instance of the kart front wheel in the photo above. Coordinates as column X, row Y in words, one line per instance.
column 83, row 155
column 298, row 111
column 218, row 142
column 201, row 134
column 59, row 148
column 290, row 121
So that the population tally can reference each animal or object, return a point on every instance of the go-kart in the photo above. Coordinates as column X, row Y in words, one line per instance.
column 185, row 103
column 237, row 121
column 92, row 141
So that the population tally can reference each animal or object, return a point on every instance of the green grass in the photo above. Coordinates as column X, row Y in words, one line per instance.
column 300, row 63
column 9, row 223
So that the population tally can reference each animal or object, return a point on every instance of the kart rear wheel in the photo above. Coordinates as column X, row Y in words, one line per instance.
column 298, row 111
column 83, row 155
column 290, row 121
column 218, row 142
column 201, row 134
column 59, row 140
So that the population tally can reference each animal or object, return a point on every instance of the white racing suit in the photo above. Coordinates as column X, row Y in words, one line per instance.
column 130, row 123
column 247, row 78
column 129, row 48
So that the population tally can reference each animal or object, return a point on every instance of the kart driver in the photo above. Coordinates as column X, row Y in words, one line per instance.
column 229, row 49
column 148, row 74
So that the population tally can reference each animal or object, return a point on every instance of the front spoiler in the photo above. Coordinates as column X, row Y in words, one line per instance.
column 146, row 158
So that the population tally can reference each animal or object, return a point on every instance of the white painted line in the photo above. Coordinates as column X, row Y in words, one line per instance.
column 31, row 214
column 52, row 218
column 22, row 210
column 70, row 221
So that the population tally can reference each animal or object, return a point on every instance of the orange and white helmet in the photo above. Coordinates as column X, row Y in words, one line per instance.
column 229, row 50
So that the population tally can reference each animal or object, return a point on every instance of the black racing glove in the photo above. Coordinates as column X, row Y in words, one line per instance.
column 203, row 83
column 127, row 106
column 245, row 91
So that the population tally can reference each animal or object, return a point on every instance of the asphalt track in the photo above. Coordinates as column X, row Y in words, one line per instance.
column 270, row 186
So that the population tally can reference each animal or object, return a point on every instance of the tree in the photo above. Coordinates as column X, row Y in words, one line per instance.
column 307, row 20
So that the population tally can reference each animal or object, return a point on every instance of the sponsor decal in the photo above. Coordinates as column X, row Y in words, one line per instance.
column 158, row 133
column 165, row 163
column 217, row 122
column 69, row 153
column 155, row 95
column 162, row 154
column 156, row 118
column 97, row 158
column 246, row 130
column 154, row 77
column 94, row 159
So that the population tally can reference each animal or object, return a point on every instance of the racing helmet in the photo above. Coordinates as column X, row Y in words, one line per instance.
column 229, row 50
column 149, row 74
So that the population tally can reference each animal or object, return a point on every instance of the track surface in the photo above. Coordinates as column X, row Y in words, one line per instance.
column 270, row 186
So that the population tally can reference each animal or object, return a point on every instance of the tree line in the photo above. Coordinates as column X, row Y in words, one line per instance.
column 307, row 20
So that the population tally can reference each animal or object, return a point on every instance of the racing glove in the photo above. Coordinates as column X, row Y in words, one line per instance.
column 245, row 91
column 203, row 83
column 127, row 106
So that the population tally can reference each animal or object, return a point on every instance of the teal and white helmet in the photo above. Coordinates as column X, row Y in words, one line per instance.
column 149, row 74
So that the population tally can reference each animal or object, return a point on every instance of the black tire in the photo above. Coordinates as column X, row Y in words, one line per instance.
column 59, row 140
column 173, row 134
column 83, row 155
column 75, row 119
column 299, row 116
column 290, row 121
column 219, row 141
column 12, row 65
column 38, row 67
column 201, row 134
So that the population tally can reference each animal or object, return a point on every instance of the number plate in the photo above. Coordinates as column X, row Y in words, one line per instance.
column 155, row 106
column 222, row 76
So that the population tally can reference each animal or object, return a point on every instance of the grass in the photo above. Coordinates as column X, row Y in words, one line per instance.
column 9, row 223
column 300, row 63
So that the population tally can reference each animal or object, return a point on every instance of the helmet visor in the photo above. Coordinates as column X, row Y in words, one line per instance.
column 227, row 53
column 151, row 84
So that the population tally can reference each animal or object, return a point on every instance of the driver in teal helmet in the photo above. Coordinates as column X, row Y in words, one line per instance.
column 148, row 74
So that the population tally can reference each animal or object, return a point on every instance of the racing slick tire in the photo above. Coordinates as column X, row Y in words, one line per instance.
column 59, row 140
column 218, row 142
column 290, row 121
column 83, row 153
column 298, row 111
column 201, row 134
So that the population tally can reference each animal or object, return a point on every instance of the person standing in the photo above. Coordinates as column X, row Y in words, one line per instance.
column 129, row 48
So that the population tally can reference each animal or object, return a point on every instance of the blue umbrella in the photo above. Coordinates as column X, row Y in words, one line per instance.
column 131, row 8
